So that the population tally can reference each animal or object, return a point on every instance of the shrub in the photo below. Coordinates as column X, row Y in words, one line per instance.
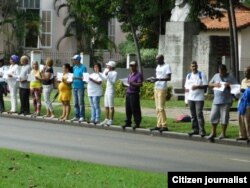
column 147, row 90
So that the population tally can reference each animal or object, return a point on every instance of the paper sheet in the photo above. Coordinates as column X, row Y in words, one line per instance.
column 59, row 76
column 85, row 77
column 31, row 77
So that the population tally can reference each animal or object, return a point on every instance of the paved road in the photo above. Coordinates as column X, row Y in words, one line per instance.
column 136, row 151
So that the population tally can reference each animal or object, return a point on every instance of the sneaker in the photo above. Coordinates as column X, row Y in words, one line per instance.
column 74, row 119
column 81, row 119
column 109, row 122
column 105, row 122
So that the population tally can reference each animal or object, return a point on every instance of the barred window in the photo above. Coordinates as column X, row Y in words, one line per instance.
column 46, row 28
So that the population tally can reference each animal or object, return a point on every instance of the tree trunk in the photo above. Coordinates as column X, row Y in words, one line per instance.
column 137, row 47
column 235, row 38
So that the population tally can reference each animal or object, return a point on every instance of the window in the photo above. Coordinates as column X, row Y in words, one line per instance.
column 30, row 4
column 46, row 28
column 111, row 30
column 31, row 10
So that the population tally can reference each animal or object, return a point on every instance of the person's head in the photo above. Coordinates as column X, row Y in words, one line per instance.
column 179, row 2
column 133, row 66
column 247, row 72
column 194, row 66
column 159, row 59
column 111, row 65
column 222, row 69
column 35, row 65
column 24, row 60
column 97, row 67
column 14, row 59
column 76, row 59
column 49, row 62
column 66, row 68
column 1, row 62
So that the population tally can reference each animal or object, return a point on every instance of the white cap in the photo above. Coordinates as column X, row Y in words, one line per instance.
column 111, row 64
column 132, row 63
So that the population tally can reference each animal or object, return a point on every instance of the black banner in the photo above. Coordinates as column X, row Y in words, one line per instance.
column 208, row 179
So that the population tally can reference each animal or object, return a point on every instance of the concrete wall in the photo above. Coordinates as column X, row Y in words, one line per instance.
column 177, row 46
column 68, row 44
column 244, row 46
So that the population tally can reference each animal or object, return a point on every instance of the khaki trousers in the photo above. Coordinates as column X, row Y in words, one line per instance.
column 244, row 124
column 160, row 99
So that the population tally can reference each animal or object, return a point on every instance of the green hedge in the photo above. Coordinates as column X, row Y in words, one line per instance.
column 147, row 90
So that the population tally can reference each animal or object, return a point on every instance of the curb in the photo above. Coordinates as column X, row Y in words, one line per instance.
column 141, row 131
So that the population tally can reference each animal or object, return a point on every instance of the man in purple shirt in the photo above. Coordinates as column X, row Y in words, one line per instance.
column 133, row 106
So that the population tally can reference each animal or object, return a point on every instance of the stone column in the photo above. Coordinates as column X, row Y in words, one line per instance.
column 177, row 49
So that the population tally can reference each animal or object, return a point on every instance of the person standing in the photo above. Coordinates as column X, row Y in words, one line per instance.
column 65, row 92
column 163, row 75
column 196, row 83
column 95, row 92
column 47, row 77
column 3, row 89
column 110, row 75
column 24, row 86
column 78, row 88
column 12, row 81
column 222, row 101
column 36, row 88
column 244, row 107
column 133, row 107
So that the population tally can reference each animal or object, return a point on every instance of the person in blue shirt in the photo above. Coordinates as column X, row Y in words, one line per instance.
column 78, row 88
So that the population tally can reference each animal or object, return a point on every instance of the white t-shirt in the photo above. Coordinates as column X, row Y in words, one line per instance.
column 161, row 72
column 94, row 89
column 194, row 79
column 111, row 79
column 14, row 71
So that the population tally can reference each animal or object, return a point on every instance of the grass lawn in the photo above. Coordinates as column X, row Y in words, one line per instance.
column 19, row 169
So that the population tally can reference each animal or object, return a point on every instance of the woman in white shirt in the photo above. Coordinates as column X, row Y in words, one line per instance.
column 94, row 90
column 12, row 81
column 110, row 75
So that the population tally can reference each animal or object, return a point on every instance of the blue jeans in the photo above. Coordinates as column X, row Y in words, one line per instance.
column 79, row 103
column 94, row 102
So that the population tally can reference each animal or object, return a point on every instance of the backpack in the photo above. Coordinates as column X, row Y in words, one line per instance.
column 200, row 76
column 183, row 118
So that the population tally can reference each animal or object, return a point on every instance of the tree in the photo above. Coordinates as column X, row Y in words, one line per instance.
column 87, row 21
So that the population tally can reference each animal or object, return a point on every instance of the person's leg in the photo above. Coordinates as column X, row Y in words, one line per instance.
column 67, row 110
column 200, row 117
column 63, row 111
column 26, row 101
column 38, row 99
column 136, row 109
column 50, row 103
column 2, row 109
column 225, row 112
column 247, row 121
column 157, row 106
column 162, row 100
column 91, row 103
column 22, row 98
column 128, row 111
column 193, row 110
column 97, row 108
column 81, row 102
column 242, row 127
column 76, row 103
column 214, row 118
column 46, row 91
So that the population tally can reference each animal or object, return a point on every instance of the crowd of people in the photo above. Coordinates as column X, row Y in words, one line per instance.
column 36, row 81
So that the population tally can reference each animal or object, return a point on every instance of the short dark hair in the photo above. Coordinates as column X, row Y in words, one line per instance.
column 67, row 66
column 222, row 66
column 98, row 65
column 194, row 62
